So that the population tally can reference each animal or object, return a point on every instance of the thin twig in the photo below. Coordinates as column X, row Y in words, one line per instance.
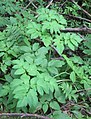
column 56, row 58
column 50, row 3
column 24, row 115
column 33, row 12
column 65, row 80
column 57, row 52
column 82, row 90
column 86, row 112
column 71, row 103
column 77, row 18
column 81, row 8
column 61, row 74
column 63, row 3
column 35, row 6
column 28, row 4
column 81, row 37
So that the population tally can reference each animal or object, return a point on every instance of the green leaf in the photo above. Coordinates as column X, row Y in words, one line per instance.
column 87, row 51
column 38, row 61
column 29, row 60
column 62, row 20
column 77, row 59
column 25, row 78
column 44, row 63
column 15, row 83
column 53, row 70
column 73, row 76
column 44, row 85
column 19, row 95
column 53, row 84
column 60, row 47
column 3, row 67
column 20, row 88
column 34, row 30
column 34, row 35
column 13, row 20
column 22, row 102
column 25, row 48
column 47, row 40
column 74, row 42
column 33, row 82
column 8, row 78
column 29, row 99
column 1, row 54
column 46, row 25
column 26, row 64
column 60, row 115
column 20, row 62
column 46, row 97
column 56, row 63
column 43, row 14
column 19, row 71
column 32, row 70
column 26, row 41
column 59, row 96
column 40, row 90
column 35, row 46
column 70, row 63
column 4, row 90
column 77, row 38
column 32, row 98
column 54, row 105
column 71, row 46
column 54, row 26
column 45, row 107
column 42, row 51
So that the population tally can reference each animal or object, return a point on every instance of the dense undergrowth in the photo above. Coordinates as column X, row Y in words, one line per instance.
column 42, row 69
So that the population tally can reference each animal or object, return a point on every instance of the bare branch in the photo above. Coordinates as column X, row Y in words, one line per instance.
column 81, row 8
column 77, row 18
column 63, row 3
column 24, row 115
column 31, row 1
column 52, row 46
column 83, row 90
column 84, row 30
column 35, row 6
column 81, row 36
column 50, row 3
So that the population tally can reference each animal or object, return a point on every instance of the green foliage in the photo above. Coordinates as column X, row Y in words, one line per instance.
column 87, row 44
column 41, row 68
column 49, row 29
column 59, row 115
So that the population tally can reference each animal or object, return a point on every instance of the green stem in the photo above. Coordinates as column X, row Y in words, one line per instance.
column 60, row 74
column 63, row 80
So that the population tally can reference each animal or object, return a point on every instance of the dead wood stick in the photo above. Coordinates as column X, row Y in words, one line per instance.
column 81, row 8
column 77, row 18
column 24, row 115
column 84, row 30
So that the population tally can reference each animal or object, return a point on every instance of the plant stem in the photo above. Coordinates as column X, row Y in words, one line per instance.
column 60, row 74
